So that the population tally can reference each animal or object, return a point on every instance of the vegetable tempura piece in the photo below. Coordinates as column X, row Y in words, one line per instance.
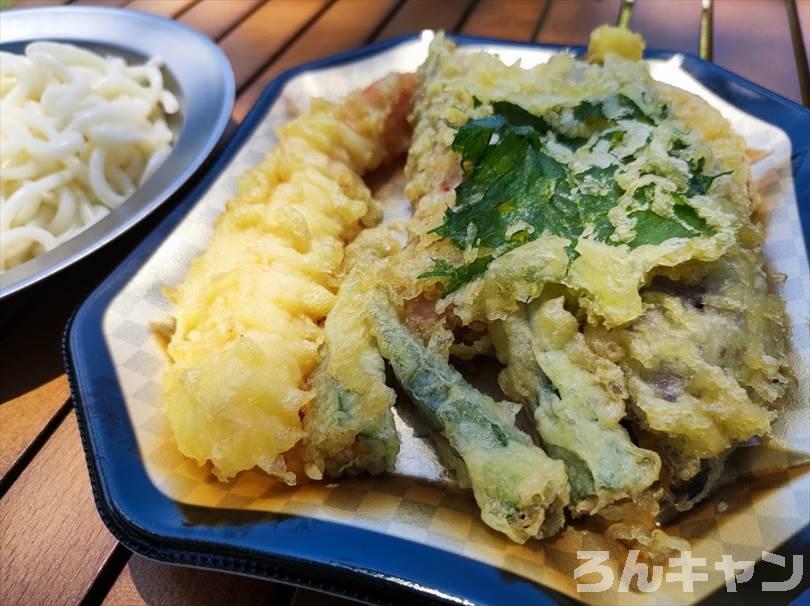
column 248, row 311
column 349, row 424
column 580, row 415
column 521, row 492
column 706, row 365
column 594, row 155
column 576, row 400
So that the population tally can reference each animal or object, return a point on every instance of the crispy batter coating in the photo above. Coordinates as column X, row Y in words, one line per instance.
column 684, row 324
column 577, row 402
column 247, row 312
column 520, row 490
column 349, row 423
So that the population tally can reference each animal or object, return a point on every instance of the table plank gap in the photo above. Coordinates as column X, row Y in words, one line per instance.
column 752, row 38
column 506, row 19
column 34, row 390
column 27, row 422
column 142, row 581
column 804, row 17
column 416, row 15
column 466, row 15
column 543, row 17
column 253, row 44
column 216, row 18
column 375, row 34
column 107, row 576
column 336, row 30
column 162, row 8
column 799, row 47
column 54, row 542
column 668, row 24
column 187, row 8
column 569, row 22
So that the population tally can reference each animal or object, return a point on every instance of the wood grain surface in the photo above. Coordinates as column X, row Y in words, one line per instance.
column 668, row 24
column 53, row 542
column 54, row 548
column 337, row 30
column 25, row 417
column 163, row 8
column 35, row 3
column 107, row 3
column 506, row 19
column 416, row 15
column 570, row 21
column 252, row 44
column 145, row 582
column 216, row 17
column 752, row 38
column 803, row 9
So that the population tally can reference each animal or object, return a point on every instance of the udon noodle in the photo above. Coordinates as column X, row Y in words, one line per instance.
column 79, row 133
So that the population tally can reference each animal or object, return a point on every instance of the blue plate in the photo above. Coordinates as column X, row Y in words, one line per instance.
column 329, row 556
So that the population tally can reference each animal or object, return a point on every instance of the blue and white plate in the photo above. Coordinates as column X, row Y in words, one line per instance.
column 411, row 536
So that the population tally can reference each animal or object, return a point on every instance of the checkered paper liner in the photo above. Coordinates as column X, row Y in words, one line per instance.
column 419, row 501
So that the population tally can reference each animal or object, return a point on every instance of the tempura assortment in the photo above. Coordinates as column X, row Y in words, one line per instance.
column 583, row 226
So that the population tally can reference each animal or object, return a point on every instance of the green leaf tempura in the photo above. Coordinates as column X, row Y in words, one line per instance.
column 524, row 177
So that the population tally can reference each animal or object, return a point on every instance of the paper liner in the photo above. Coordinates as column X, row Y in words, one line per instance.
column 419, row 501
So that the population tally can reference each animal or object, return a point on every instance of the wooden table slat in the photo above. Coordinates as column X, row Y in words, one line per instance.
column 106, row 3
column 54, row 542
column 163, row 8
column 254, row 41
column 793, row 8
column 506, row 19
column 668, row 24
column 307, row 597
column 143, row 582
column 215, row 17
column 35, row 3
column 752, row 38
column 22, row 420
column 416, row 15
column 33, row 386
column 571, row 21
column 336, row 30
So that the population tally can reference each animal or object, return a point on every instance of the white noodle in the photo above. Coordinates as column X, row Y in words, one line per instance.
column 78, row 134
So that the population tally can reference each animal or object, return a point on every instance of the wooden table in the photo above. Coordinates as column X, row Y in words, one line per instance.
column 54, row 548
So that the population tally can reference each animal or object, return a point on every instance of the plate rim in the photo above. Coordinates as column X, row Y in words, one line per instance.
column 284, row 554
column 83, row 244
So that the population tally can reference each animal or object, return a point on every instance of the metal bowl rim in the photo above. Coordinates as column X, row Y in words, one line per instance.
column 174, row 172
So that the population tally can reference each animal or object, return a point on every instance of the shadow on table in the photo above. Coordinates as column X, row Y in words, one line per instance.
column 157, row 584
column 32, row 322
